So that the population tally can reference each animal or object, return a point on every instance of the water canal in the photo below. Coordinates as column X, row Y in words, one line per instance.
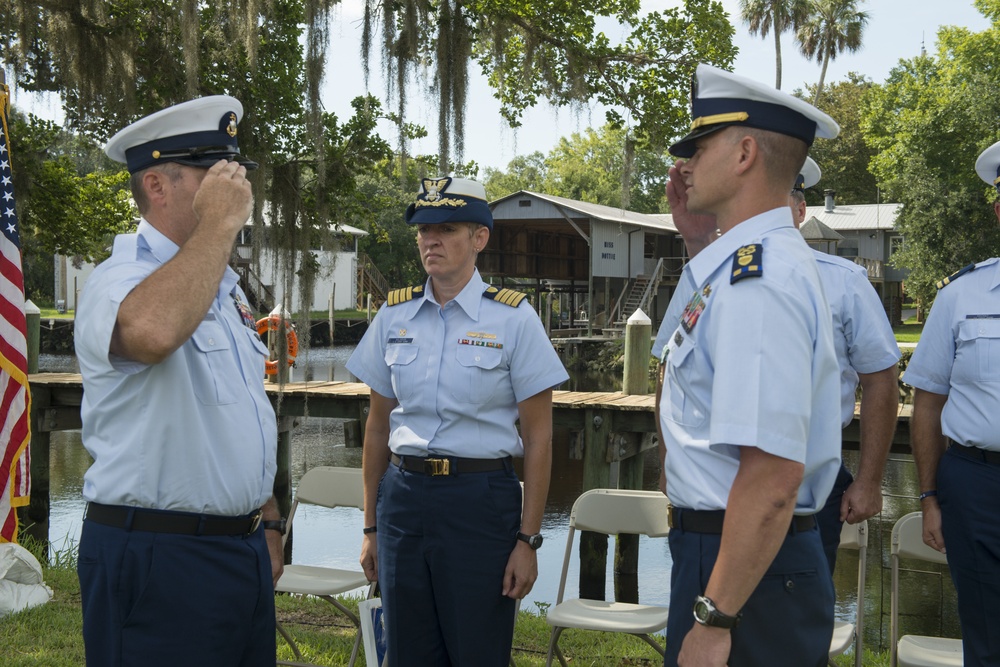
column 332, row 537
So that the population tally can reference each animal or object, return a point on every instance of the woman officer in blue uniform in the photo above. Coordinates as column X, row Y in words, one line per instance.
column 452, row 365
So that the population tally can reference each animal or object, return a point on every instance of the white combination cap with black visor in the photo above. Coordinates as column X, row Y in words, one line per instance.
column 447, row 199
column 197, row 133
column 808, row 176
column 721, row 99
column 988, row 165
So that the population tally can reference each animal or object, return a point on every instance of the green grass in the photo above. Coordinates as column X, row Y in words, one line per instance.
column 909, row 331
column 51, row 635
column 53, row 314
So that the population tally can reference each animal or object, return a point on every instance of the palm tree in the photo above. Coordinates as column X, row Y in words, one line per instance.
column 778, row 16
column 830, row 28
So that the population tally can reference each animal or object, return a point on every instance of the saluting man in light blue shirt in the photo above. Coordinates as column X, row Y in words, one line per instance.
column 748, row 405
column 174, row 564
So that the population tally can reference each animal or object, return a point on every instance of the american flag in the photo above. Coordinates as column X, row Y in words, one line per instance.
column 15, row 399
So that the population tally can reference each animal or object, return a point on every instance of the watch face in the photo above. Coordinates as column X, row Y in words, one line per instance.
column 535, row 541
column 701, row 610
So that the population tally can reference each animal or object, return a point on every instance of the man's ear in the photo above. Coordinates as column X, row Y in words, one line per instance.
column 996, row 208
column 154, row 183
column 748, row 153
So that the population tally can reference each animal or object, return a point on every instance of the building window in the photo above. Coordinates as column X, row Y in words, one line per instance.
column 895, row 244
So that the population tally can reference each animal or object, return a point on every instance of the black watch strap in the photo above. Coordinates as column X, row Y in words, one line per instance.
column 533, row 541
column 278, row 525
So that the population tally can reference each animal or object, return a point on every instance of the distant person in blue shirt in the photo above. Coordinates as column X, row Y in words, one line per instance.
column 452, row 365
column 955, row 372
column 174, row 565
column 867, row 354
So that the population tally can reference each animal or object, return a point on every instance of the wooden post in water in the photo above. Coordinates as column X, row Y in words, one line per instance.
column 333, row 305
column 35, row 517
column 638, row 330
column 33, row 316
column 596, row 475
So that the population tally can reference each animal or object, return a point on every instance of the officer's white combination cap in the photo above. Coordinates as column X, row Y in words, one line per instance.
column 721, row 99
column 447, row 199
column 988, row 165
column 809, row 175
column 197, row 133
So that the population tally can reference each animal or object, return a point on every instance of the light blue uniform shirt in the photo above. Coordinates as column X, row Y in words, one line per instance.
column 862, row 336
column 458, row 372
column 193, row 433
column 959, row 356
column 751, row 365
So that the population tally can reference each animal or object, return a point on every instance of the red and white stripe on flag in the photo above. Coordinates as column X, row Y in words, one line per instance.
column 15, row 399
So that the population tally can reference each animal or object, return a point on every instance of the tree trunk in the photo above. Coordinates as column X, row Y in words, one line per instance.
column 822, row 77
column 777, row 51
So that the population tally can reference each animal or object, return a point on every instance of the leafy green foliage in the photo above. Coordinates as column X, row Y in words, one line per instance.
column 588, row 167
column 552, row 50
column 926, row 126
column 844, row 160
column 829, row 28
column 773, row 16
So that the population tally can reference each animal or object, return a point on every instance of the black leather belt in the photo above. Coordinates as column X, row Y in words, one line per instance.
column 448, row 465
column 165, row 521
column 975, row 453
column 710, row 521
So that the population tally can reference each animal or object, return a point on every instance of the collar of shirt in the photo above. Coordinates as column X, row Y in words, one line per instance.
column 704, row 264
column 470, row 299
column 163, row 249
column 996, row 270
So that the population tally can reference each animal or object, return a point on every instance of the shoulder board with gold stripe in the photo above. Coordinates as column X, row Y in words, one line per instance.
column 402, row 295
column 961, row 272
column 748, row 262
column 505, row 296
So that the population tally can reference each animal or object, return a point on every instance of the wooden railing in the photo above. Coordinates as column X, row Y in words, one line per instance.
column 370, row 281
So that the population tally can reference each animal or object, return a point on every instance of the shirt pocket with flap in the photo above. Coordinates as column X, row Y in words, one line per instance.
column 480, row 371
column 399, row 357
column 212, row 364
column 977, row 350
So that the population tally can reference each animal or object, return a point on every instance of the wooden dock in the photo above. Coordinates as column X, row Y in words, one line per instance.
column 612, row 428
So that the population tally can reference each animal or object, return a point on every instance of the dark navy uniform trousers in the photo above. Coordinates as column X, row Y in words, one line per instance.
column 969, row 496
column 443, row 546
column 158, row 599
column 788, row 620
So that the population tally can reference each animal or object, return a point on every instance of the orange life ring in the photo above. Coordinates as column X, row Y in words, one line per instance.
column 271, row 323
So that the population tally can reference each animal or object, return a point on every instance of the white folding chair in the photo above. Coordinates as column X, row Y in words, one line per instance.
column 612, row 512
column 854, row 538
column 327, row 487
column 916, row 650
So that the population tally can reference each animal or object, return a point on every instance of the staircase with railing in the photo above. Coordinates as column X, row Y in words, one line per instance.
column 639, row 292
column 259, row 293
column 370, row 281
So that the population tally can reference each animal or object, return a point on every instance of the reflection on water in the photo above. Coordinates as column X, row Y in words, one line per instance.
column 333, row 537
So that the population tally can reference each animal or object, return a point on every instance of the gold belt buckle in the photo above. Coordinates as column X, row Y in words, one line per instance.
column 439, row 466
column 255, row 522
column 670, row 515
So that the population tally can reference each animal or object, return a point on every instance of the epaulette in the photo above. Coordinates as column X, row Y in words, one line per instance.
column 961, row 272
column 404, row 294
column 748, row 261
column 505, row 296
